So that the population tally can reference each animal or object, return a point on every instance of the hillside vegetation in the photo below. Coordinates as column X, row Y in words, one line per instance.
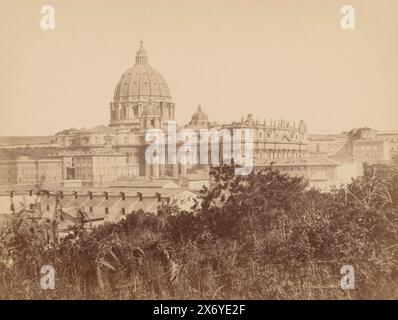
column 264, row 236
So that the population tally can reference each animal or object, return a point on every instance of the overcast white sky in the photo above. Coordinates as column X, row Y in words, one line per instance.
column 276, row 59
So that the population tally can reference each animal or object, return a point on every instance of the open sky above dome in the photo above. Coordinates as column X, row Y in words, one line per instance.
column 270, row 58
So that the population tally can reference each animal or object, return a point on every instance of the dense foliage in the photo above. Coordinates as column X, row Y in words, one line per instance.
column 265, row 236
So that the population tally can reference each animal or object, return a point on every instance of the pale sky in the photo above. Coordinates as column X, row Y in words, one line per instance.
column 275, row 59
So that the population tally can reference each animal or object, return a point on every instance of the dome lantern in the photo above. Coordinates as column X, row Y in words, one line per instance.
column 141, row 56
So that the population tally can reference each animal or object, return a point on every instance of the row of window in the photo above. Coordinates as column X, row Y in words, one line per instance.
column 91, row 209
column 106, row 209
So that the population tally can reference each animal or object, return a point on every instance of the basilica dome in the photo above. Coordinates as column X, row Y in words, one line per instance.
column 142, row 80
column 141, row 95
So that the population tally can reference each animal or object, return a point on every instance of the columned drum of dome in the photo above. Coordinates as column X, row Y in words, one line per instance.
column 199, row 119
column 142, row 97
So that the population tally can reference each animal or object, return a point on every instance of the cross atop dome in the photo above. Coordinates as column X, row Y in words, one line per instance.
column 141, row 56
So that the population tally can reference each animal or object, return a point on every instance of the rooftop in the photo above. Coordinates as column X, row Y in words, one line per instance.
column 26, row 140
column 311, row 161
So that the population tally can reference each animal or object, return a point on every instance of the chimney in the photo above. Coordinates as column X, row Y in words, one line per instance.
column 158, row 196
column 47, row 193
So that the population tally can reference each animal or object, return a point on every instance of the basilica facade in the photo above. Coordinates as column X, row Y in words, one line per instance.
column 142, row 101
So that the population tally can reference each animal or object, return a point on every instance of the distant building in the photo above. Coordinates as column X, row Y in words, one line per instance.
column 363, row 145
column 94, row 168
column 94, row 206
column 320, row 172
column 392, row 138
column 13, row 142
column 30, row 171
column 326, row 144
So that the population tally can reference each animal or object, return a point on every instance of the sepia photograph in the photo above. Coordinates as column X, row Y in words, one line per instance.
column 212, row 151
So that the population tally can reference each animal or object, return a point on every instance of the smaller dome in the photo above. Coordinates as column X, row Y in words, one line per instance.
column 199, row 117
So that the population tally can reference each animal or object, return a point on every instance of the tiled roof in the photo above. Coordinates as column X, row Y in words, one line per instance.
column 311, row 161
column 318, row 176
column 327, row 137
column 100, row 129
column 145, row 184
column 196, row 176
